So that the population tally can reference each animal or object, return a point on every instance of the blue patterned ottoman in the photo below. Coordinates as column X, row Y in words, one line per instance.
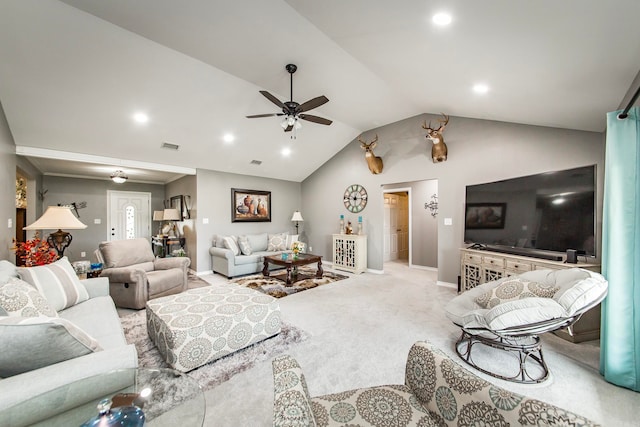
column 200, row 325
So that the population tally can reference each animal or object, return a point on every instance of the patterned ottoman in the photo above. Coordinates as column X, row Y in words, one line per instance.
column 200, row 325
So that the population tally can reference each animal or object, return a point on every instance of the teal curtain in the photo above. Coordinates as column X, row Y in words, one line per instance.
column 620, row 329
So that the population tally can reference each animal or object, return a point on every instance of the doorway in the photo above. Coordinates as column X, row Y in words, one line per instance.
column 129, row 215
column 397, row 226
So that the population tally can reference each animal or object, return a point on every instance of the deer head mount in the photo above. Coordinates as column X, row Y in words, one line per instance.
column 374, row 162
column 439, row 148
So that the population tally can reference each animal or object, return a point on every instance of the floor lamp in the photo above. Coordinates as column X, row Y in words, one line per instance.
column 297, row 217
column 58, row 217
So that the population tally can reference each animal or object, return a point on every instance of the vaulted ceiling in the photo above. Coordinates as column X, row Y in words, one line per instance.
column 73, row 73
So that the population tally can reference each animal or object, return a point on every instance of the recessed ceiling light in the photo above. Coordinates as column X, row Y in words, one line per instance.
column 228, row 137
column 480, row 88
column 286, row 151
column 441, row 18
column 141, row 117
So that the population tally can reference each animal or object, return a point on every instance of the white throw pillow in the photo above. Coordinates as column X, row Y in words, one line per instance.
column 291, row 238
column 244, row 244
column 18, row 298
column 513, row 289
column 231, row 243
column 277, row 242
column 35, row 342
column 58, row 283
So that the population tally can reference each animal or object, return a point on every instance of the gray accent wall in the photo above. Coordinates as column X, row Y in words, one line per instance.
column 65, row 190
column 479, row 151
column 214, row 206
column 7, row 189
column 186, row 186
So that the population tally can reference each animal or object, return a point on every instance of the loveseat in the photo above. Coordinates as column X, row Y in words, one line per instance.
column 437, row 392
column 244, row 254
column 54, row 330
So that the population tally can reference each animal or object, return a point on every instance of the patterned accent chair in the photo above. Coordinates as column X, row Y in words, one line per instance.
column 437, row 392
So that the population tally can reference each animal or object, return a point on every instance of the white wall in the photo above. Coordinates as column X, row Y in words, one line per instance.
column 7, row 189
column 214, row 205
column 479, row 151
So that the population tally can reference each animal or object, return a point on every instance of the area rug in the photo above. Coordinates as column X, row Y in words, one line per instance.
column 218, row 371
column 276, row 288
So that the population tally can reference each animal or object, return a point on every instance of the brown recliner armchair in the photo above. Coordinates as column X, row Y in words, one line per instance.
column 136, row 275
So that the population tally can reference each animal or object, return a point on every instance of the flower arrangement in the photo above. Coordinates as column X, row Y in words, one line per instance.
column 296, row 248
column 34, row 252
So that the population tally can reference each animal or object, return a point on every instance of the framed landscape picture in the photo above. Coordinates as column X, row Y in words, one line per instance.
column 485, row 215
column 250, row 205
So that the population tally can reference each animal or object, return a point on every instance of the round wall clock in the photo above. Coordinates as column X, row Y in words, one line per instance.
column 355, row 198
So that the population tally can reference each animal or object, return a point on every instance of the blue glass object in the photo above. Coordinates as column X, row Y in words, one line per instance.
column 125, row 416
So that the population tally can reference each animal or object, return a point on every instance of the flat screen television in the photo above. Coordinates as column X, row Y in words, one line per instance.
column 539, row 215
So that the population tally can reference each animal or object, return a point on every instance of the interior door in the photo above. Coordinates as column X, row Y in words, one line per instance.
column 391, row 227
column 129, row 215
column 403, row 226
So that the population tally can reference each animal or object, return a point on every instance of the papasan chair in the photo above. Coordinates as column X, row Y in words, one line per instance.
column 510, row 314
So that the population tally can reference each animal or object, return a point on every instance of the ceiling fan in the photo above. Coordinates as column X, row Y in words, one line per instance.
column 292, row 110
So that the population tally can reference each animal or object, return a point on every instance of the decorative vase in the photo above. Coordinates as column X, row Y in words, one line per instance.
column 341, row 224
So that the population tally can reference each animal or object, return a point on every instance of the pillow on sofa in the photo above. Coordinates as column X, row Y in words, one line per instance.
column 35, row 342
column 58, row 283
column 245, row 246
column 18, row 298
column 513, row 289
column 230, row 242
column 291, row 238
column 258, row 242
column 277, row 242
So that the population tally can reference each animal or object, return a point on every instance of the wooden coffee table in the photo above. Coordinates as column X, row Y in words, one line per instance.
column 289, row 263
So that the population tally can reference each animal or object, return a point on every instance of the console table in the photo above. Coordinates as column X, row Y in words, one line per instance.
column 481, row 266
column 350, row 252
column 165, row 243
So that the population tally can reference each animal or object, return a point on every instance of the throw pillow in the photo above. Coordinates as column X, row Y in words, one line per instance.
column 277, row 242
column 513, row 289
column 291, row 238
column 231, row 243
column 18, row 298
column 244, row 244
column 58, row 283
column 35, row 342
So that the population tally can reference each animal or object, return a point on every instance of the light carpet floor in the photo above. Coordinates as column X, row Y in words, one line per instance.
column 361, row 330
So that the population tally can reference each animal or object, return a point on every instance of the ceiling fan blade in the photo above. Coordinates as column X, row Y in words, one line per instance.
column 313, row 103
column 315, row 119
column 255, row 116
column 288, row 129
column 272, row 98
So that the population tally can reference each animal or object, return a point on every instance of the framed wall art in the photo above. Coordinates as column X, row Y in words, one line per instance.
column 177, row 202
column 250, row 205
column 485, row 215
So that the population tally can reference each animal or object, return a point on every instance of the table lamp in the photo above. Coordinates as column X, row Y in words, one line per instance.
column 171, row 216
column 158, row 216
column 58, row 217
column 297, row 217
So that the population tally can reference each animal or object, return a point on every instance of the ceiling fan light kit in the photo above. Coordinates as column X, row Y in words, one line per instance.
column 291, row 110
column 119, row 177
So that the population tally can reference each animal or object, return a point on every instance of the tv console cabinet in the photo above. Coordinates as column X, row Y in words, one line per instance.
column 481, row 266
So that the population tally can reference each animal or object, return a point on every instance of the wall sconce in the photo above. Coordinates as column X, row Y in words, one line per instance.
column 432, row 205
column 58, row 217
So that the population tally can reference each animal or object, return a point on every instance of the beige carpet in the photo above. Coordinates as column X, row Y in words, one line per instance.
column 218, row 371
column 278, row 289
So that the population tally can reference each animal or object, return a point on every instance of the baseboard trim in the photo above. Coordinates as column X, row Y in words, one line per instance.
column 202, row 273
column 422, row 267
column 373, row 271
column 447, row 285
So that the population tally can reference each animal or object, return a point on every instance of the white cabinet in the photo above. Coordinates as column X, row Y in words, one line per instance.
column 350, row 252
column 478, row 266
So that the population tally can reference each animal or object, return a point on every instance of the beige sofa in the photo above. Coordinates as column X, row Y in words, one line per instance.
column 41, row 353
column 436, row 392
column 234, row 255
column 136, row 275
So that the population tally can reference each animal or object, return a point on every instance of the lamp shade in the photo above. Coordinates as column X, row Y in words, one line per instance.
column 158, row 215
column 171, row 215
column 57, row 218
column 297, row 216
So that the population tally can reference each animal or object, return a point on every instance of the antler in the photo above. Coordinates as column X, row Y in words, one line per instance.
column 365, row 142
column 443, row 124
